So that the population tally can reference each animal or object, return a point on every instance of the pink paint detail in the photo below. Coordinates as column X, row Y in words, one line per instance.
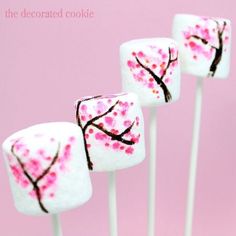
column 131, row 64
column 150, row 85
column 127, row 123
column 25, row 183
column 115, row 131
column 164, row 56
column 116, row 145
column 109, row 121
column 26, row 153
column 123, row 113
column 167, row 80
column 72, row 139
column 100, row 136
column 129, row 150
column 50, row 179
column 32, row 194
column 17, row 172
column 40, row 152
column 141, row 54
column 33, row 166
column 101, row 124
column 83, row 107
column 18, row 146
column 52, row 140
column 154, row 66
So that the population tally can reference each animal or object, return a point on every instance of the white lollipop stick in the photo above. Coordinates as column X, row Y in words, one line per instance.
column 112, row 204
column 193, row 160
column 57, row 231
column 152, row 172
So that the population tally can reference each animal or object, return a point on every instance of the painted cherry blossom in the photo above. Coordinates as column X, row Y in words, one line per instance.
column 207, row 38
column 37, row 170
column 154, row 72
column 106, row 118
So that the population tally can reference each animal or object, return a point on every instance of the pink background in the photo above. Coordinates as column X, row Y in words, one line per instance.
column 47, row 64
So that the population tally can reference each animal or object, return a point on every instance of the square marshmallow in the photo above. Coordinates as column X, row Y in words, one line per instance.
column 47, row 168
column 204, row 45
column 113, row 131
column 150, row 68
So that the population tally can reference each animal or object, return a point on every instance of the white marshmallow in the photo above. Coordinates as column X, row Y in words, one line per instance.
column 47, row 168
column 204, row 45
column 150, row 68
column 113, row 131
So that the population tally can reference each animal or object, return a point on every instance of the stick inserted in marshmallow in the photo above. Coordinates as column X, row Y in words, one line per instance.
column 204, row 46
column 150, row 68
column 113, row 132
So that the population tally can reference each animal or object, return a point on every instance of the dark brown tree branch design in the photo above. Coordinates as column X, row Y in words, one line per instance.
column 159, row 80
column 218, row 51
column 117, row 137
column 35, row 182
column 91, row 122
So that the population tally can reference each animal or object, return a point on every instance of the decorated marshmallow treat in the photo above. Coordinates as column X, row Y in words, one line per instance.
column 113, row 131
column 47, row 168
column 204, row 45
column 150, row 68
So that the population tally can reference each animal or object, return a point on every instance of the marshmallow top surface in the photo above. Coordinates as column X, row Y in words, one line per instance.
column 150, row 68
column 204, row 45
column 47, row 168
column 113, row 131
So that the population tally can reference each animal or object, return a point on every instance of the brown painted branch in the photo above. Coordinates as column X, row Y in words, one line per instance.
column 21, row 164
column 89, row 162
column 127, row 130
column 78, row 107
column 204, row 41
column 34, row 183
column 168, row 64
column 158, row 80
column 39, row 197
column 219, row 50
column 117, row 137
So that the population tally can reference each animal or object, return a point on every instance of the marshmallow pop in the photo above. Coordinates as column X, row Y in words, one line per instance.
column 150, row 68
column 113, row 133
column 204, row 48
